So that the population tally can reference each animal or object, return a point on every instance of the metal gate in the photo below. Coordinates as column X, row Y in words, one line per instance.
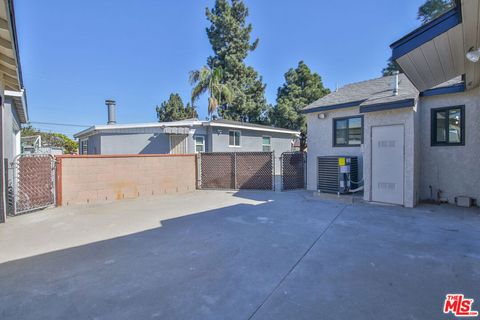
column 33, row 185
column 237, row 170
column 293, row 170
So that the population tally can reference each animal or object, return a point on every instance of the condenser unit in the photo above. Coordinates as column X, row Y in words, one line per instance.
column 337, row 174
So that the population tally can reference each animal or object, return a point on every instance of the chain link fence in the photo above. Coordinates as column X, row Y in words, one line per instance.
column 293, row 170
column 236, row 170
column 33, row 183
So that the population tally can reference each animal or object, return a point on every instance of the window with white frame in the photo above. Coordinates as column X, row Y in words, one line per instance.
column 199, row 144
column 266, row 146
column 234, row 138
column 84, row 146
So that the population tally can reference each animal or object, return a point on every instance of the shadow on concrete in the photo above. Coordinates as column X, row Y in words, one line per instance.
column 215, row 264
column 245, row 259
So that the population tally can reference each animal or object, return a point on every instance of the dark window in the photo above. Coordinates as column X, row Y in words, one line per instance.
column 234, row 138
column 448, row 126
column 348, row 132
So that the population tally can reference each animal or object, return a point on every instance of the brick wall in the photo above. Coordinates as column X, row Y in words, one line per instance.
column 98, row 178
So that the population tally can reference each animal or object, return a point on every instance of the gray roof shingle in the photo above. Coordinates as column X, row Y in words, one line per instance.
column 366, row 93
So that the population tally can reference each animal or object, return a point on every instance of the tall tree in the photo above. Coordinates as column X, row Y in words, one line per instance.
column 173, row 109
column 229, row 36
column 428, row 11
column 301, row 88
column 431, row 9
column 207, row 79
column 390, row 68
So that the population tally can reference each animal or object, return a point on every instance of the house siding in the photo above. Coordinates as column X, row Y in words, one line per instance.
column 11, row 131
column 403, row 117
column 320, row 143
column 451, row 169
column 153, row 141
column 134, row 143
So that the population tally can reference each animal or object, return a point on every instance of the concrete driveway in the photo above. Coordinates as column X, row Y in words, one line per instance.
column 244, row 255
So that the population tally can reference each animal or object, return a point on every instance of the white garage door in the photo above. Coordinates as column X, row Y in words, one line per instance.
column 388, row 164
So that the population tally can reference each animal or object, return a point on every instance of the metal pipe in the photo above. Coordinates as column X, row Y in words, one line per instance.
column 395, row 83
column 111, row 111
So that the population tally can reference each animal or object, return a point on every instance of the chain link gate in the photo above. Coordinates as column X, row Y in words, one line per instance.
column 236, row 170
column 33, row 183
column 293, row 170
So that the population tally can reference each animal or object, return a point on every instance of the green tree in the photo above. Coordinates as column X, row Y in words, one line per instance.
column 390, row 68
column 432, row 9
column 51, row 139
column 229, row 36
column 301, row 88
column 207, row 79
column 173, row 109
column 428, row 11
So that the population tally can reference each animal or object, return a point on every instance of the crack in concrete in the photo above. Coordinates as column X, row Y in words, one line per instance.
column 297, row 262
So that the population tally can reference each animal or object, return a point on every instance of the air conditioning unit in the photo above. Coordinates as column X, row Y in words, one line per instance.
column 337, row 174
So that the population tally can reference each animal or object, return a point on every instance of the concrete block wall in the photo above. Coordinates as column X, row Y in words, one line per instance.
column 103, row 178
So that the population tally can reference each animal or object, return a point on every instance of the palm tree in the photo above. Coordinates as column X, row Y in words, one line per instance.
column 207, row 79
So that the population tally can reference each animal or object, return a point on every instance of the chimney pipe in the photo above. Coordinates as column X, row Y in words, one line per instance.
column 395, row 83
column 111, row 111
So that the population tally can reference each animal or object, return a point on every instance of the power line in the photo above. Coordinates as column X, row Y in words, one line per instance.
column 60, row 124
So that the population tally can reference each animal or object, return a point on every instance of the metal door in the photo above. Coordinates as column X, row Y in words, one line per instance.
column 388, row 162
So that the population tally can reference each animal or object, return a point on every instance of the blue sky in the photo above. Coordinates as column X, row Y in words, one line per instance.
column 75, row 54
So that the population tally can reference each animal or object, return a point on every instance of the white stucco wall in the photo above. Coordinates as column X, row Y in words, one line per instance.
column 320, row 143
column 405, row 117
column 452, row 169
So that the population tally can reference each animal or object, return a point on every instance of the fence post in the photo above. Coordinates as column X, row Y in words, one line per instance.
column 273, row 168
column 198, row 172
column 235, row 170
column 305, row 170
column 281, row 171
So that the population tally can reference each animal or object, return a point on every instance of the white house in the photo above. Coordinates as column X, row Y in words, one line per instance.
column 416, row 135
column 12, row 94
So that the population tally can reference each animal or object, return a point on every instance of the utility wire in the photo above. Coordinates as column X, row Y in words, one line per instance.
column 60, row 124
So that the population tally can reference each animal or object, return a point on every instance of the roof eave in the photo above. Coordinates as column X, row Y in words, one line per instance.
column 235, row 126
column 85, row 132
column 20, row 102
column 406, row 103
column 456, row 88
column 350, row 104
column 427, row 32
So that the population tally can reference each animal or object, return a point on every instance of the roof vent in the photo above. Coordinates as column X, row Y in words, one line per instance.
column 111, row 111
column 395, row 83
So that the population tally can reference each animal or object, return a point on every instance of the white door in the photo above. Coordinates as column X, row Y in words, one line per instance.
column 178, row 144
column 388, row 164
